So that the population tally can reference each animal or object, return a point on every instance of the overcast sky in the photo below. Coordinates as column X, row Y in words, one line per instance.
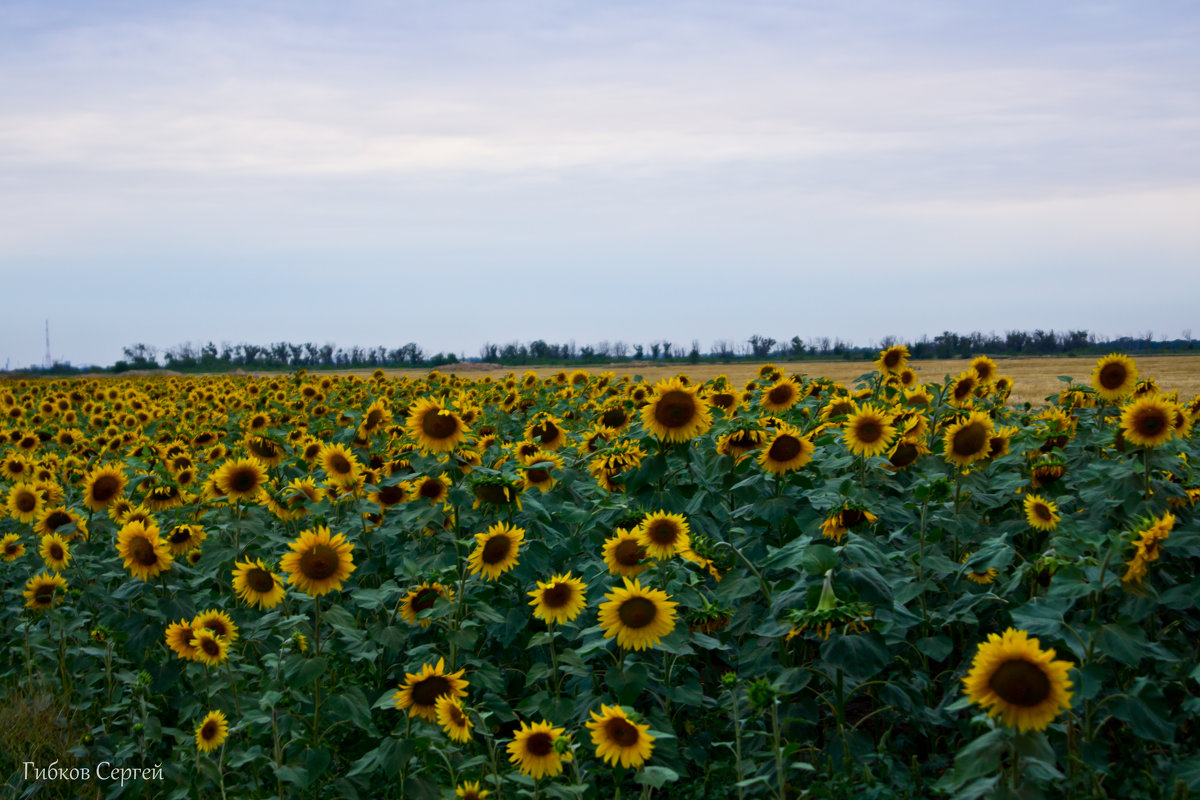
column 451, row 173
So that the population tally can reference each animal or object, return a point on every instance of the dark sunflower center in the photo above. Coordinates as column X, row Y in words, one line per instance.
column 664, row 531
column 492, row 493
column 675, row 409
column 970, row 440
column 374, row 418
column 390, row 495
column 181, row 535
column 613, row 418
column 891, row 359
column 1020, row 683
column 26, row 502
column 546, row 432
column 722, row 400
column 260, row 581
column 780, row 395
column 1113, row 376
column 557, row 596
column 264, row 448
column 319, row 562
column 784, row 448
column 210, row 730
column 431, row 490
column 637, row 612
column 905, row 454
column 339, row 464
column 963, row 388
column 44, row 594
column 424, row 599
column 851, row 517
column 439, row 425
column 621, row 733
column 629, row 553
column 56, row 551
column 538, row 475
column 244, row 479
column 210, row 646
column 539, row 744
column 1150, row 422
column 426, row 692
column 143, row 551
column 496, row 550
column 457, row 716
column 57, row 519
column 1042, row 512
column 868, row 431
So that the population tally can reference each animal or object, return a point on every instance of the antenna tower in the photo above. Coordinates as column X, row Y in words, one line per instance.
column 47, row 362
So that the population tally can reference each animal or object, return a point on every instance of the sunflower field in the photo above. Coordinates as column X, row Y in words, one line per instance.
column 589, row 586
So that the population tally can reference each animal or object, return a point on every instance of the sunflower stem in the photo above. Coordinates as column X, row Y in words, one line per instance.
column 777, row 746
column 317, row 685
column 737, row 742
column 233, row 685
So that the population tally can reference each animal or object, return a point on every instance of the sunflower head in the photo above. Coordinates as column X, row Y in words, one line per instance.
column 256, row 585
column 496, row 551
column 1148, row 421
column 624, row 553
column 420, row 691
column 1114, row 377
column 533, row 750
column 559, row 600
column 45, row 590
column 662, row 535
column 868, row 431
column 675, row 413
column 212, row 731
column 319, row 561
column 968, row 440
column 434, row 427
column 637, row 616
column 620, row 739
column 1013, row 678
column 786, row 450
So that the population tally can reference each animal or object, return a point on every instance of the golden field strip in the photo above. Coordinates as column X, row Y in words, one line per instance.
column 1034, row 378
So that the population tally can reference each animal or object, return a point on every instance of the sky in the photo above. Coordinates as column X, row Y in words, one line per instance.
column 454, row 173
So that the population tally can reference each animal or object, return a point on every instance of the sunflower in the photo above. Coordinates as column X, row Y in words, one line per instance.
column 256, row 585
column 211, row 650
column 451, row 717
column 839, row 522
column 740, row 441
column 561, row 599
column 787, row 450
column 420, row 690
column 963, row 390
column 376, row 416
column 11, row 548
column 242, row 479
column 1013, row 678
column 638, row 616
column 984, row 368
column 212, row 731
column 421, row 599
column 183, row 538
column 536, row 467
column 868, row 431
column 1041, row 513
column 1148, row 421
column 58, row 519
column 780, row 396
column 42, row 591
column 218, row 622
column 496, row 550
column 619, row 739
column 546, row 431
column 103, row 486
column 24, row 502
column 269, row 452
column 983, row 578
column 662, row 535
column 430, row 488
column 339, row 463
column 319, row 561
column 968, row 440
column 469, row 790
column 55, row 551
column 144, row 552
column 179, row 637
column 532, row 750
column 892, row 360
column 436, row 429
column 675, row 413
column 1114, row 376
column 624, row 554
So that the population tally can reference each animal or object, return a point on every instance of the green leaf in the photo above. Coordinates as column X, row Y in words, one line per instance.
column 819, row 559
column 308, row 672
column 936, row 647
column 859, row 656
column 656, row 777
column 1136, row 712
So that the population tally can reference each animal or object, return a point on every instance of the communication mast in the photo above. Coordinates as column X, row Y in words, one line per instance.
column 47, row 363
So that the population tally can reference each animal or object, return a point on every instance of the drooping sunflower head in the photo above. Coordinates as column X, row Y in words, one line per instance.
column 1013, row 678
column 559, row 600
column 319, row 561
column 11, row 548
column 418, row 602
column 496, row 551
column 1114, row 377
column 184, row 537
column 421, row 689
column 619, row 739
column 637, row 616
column 675, row 413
